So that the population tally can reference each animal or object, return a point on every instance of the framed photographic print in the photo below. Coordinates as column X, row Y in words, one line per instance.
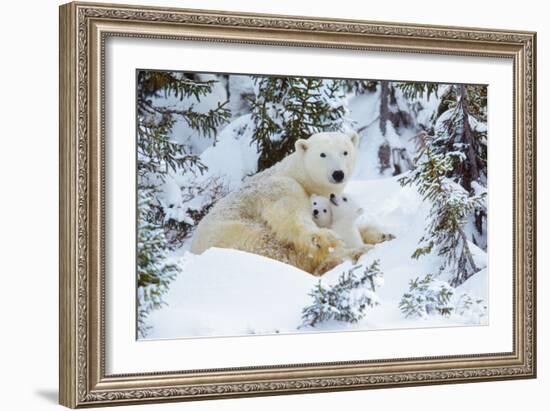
column 258, row 204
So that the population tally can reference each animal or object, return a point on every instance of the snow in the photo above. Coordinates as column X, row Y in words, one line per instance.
column 241, row 88
column 172, row 201
column 363, row 109
column 181, row 132
column 428, row 107
column 391, row 135
column 440, row 125
column 364, row 114
column 475, row 286
column 228, row 292
column 232, row 158
column 477, row 125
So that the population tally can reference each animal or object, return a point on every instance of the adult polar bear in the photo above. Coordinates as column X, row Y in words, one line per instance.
column 270, row 214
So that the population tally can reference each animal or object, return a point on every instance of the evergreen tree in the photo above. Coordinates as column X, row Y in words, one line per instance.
column 286, row 109
column 460, row 132
column 153, row 271
column 427, row 296
column 414, row 90
column 430, row 296
column 347, row 300
column 157, row 151
column 451, row 205
column 472, row 309
column 358, row 87
column 392, row 153
column 157, row 154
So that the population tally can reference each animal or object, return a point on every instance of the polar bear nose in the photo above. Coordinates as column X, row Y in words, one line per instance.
column 315, row 212
column 338, row 176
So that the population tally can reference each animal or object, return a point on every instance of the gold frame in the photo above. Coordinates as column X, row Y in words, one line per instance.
column 83, row 30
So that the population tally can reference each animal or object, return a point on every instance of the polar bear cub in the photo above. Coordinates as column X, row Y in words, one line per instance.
column 340, row 214
column 321, row 211
column 341, row 217
column 345, row 212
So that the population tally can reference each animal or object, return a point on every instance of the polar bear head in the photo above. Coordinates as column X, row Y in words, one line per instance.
column 327, row 160
column 321, row 211
column 344, row 208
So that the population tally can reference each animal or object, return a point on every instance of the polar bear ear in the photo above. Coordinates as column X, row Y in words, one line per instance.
column 354, row 137
column 300, row 145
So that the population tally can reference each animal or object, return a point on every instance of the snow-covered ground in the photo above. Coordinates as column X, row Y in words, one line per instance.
column 228, row 292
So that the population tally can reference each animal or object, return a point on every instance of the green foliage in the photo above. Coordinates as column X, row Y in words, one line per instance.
column 457, row 135
column 430, row 296
column 154, row 273
column 427, row 296
column 156, row 83
column 157, row 154
column 290, row 108
column 451, row 173
column 423, row 250
column 413, row 90
column 358, row 87
column 210, row 191
column 466, row 303
column 451, row 205
column 473, row 309
column 347, row 300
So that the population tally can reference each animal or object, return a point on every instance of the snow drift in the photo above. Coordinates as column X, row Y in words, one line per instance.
column 227, row 292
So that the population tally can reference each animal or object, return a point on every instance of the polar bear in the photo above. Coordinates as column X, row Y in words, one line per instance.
column 270, row 214
column 345, row 212
column 321, row 211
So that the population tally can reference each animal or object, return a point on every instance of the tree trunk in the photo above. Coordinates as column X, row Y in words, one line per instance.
column 470, row 168
column 384, row 105
column 463, row 276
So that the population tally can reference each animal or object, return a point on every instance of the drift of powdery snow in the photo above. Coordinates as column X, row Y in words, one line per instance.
column 227, row 292
column 230, row 292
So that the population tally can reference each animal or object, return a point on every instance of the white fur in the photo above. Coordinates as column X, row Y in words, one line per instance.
column 321, row 211
column 345, row 212
column 324, row 154
column 271, row 213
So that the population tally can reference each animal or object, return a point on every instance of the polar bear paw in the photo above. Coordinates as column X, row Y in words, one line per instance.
column 325, row 240
column 358, row 252
column 387, row 237
column 372, row 235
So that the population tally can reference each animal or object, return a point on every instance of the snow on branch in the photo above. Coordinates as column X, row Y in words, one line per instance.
column 430, row 296
column 451, row 204
column 347, row 300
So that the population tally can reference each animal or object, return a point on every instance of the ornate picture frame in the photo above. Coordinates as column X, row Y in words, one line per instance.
column 84, row 29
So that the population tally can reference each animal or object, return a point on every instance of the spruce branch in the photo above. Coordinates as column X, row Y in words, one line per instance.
column 347, row 300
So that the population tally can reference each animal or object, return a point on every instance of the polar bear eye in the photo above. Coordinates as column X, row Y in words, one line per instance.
column 345, row 153
column 314, row 203
column 345, row 199
column 324, row 211
column 323, row 155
